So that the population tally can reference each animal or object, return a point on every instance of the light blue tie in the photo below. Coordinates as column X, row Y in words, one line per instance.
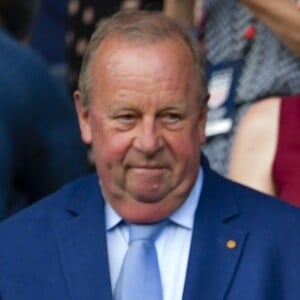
column 139, row 278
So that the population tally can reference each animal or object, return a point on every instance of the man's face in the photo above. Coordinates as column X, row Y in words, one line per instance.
column 145, row 125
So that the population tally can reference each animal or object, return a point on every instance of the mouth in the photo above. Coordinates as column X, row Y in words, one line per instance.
column 148, row 169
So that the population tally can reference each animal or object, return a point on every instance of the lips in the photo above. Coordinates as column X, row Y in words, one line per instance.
column 153, row 170
column 148, row 167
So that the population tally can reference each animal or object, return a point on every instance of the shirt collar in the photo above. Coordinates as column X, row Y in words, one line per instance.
column 183, row 216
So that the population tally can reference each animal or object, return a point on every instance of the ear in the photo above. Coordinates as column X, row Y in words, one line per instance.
column 202, row 124
column 203, row 119
column 83, row 116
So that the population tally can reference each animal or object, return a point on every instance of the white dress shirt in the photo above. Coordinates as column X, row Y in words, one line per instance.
column 172, row 245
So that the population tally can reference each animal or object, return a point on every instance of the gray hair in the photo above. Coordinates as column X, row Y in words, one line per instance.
column 140, row 26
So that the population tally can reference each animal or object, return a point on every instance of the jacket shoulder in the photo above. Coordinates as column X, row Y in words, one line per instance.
column 51, row 210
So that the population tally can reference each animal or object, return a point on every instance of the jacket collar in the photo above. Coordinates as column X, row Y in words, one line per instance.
column 82, row 244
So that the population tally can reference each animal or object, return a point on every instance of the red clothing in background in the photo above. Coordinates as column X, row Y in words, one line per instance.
column 286, row 166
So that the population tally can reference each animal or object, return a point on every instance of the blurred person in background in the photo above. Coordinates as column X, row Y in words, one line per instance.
column 48, row 37
column 83, row 17
column 266, row 151
column 252, row 48
column 39, row 137
column 266, row 148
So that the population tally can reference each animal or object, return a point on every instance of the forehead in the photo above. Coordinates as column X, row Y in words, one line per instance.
column 168, row 58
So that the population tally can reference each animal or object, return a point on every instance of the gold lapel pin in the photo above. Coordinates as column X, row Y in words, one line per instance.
column 231, row 244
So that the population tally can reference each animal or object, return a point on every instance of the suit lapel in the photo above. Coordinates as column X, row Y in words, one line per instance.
column 216, row 245
column 82, row 246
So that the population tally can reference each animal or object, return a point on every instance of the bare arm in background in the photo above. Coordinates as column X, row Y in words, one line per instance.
column 254, row 147
column 281, row 16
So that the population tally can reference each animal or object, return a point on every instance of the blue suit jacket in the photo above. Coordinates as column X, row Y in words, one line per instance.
column 56, row 249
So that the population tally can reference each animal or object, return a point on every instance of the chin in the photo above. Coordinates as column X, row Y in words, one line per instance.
column 144, row 214
column 148, row 198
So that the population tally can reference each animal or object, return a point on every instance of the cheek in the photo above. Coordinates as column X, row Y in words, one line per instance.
column 180, row 147
column 186, row 152
column 109, row 147
column 186, row 144
column 118, row 145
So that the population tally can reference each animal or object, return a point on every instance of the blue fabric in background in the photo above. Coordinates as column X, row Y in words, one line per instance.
column 40, row 145
column 49, row 31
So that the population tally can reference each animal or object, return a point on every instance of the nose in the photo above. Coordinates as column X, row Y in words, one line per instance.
column 148, row 139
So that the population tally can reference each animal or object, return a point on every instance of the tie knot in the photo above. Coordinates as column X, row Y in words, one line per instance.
column 145, row 232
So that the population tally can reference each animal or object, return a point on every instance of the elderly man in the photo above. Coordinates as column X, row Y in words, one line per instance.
column 142, row 105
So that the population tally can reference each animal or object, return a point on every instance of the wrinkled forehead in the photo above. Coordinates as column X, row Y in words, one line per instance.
column 158, row 71
column 118, row 55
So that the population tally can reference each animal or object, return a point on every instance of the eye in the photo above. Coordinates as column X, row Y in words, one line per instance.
column 171, row 117
column 125, row 120
column 127, row 117
column 171, row 120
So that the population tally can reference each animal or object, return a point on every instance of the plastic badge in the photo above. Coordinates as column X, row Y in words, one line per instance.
column 222, row 86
